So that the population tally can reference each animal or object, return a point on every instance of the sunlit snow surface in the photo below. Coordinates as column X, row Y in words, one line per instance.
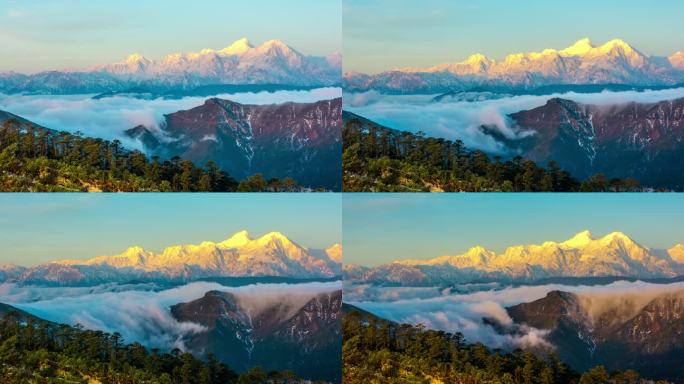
column 141, row 312
column 455, row 118
column 449, row 310
column 109, row 117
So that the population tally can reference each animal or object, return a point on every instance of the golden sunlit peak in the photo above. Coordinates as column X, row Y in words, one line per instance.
column 275, row 235
column 616, row 236
column 476, row 58
column 237, row 47
column 135, row 57
column 581, row 47
column 580, row 239
column 477, row 250
column 238, row 239
column 615, row 42
column 134, row 250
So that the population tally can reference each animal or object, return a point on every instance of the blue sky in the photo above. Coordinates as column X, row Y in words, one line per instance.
column 386, row 34
column 35, row 228
column 39, row 34
column 379, row 228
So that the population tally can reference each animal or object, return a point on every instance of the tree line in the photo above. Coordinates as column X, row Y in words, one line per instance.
column 380, row 159
column 36, row 159
column 36, row 351
column 380, row 351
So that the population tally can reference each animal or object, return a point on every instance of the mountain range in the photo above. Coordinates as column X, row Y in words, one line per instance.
column 303, row 337
column 644, row 141
column 582, row 256
column 271, row 255
column 630, row 332
column 272, row 62
column 297, row 140
column 615, row 62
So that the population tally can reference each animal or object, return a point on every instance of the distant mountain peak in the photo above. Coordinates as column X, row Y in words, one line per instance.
column 579, row 48
column 275, row 43
column 580, row 239
column 277, row 47
column 135, row 58
column 616, row 43
column 239, row 63
column 582, row 63
column 237, row 47
column 581, row 256
column 335, row 252
column 134, row 250
column 476, row 58
column 677, row 60
column 616, row 235
column 677, row 253
column 477, row 251
column 238, row 256
column 237, row 240
column 274, row 236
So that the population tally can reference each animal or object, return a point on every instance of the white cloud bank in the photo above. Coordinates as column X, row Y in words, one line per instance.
column 458, row 119
column 445, row 310
column 109, row 117
column 142, row 314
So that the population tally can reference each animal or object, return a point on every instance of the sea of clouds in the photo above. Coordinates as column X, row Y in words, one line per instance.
column 141, row 313
column 447, row 310
column 453, row 118
column 109, row 117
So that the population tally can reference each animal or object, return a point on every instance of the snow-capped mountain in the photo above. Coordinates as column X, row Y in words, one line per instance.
column 297, row 140
column 11, row 271
column 614, row 62
column 272, row 62
column 272, row 254
column 304, row 337
column 614, row 255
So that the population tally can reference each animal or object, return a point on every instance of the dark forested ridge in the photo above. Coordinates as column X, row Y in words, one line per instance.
column 36, row 351
column 379, row 351
column 36, row 159
column 381, row 159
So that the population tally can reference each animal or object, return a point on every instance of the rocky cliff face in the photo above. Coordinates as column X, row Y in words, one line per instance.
column 642, row 333
column 644, row 141
column 303, row 337
column 298, row 140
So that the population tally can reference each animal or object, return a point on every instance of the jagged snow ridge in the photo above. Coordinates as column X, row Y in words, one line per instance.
column 272, row 62
column 272, row 254
column 580, row 256
column 581, row 63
